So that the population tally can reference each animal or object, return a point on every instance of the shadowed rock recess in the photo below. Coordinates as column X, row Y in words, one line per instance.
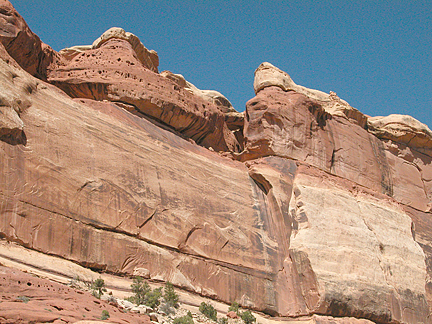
column 301, row 205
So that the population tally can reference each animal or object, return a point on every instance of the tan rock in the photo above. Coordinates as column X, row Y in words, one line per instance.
column 353, row 240
column 267, row 75
column 149, row 59
column 70, row 52
column 401, row 129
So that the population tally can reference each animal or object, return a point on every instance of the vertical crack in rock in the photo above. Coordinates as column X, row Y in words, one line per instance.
column 386, row 176
column 423, row 180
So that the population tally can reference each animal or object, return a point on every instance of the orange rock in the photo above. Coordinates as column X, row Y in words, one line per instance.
column 232, row 314
column 23, row 45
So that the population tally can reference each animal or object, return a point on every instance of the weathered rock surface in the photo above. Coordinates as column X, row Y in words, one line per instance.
column 29, row 299
column 112, row 70
column 401, row 129
column 22, row 44
column 233, row 118
column 292, row 125
column 326, row 211
column 267, row 75
column 110, row 176
column 14, row 99
column 149, row 59
column 351, row 238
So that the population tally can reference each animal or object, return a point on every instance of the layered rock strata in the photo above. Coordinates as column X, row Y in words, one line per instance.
column 325, row 211
column 23, row 45
column 118, row 68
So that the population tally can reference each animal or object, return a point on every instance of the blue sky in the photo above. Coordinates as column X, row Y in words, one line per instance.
column 374, row 54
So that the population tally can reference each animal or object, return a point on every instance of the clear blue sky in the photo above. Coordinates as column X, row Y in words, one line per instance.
column 374, row 54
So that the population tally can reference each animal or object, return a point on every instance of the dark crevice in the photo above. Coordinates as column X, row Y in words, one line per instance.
column 15, row 137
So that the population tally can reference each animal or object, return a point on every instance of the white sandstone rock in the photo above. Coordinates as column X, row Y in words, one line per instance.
column 402, row 129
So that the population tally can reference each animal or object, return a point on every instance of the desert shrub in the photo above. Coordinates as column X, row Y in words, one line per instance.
column 98, row 287
column 152, row 298
column 131, row 299
column 105, row 315
column 222, row 320
column 247, row 317
column 208, row 310
column 140, row 288
column 24, row 299
column 234, row 308
column 111, row 299
column 143, row 295
column 184, row 320
column 167, row 309
column 75, row 282
column 170, row 297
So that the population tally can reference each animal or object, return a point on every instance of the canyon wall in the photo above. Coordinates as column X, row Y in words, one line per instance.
column 300, row 205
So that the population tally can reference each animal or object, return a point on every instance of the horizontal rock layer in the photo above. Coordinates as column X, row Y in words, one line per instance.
column 113, row 72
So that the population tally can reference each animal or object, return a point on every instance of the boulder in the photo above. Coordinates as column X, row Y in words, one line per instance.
column 232, row 315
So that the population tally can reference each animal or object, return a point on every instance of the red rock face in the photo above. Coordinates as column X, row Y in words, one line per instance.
column 316, row 216
column 28, row 299
column 113, row 72
column 290, row 125
column 22, row 44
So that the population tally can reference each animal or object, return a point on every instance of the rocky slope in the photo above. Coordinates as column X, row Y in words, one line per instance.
column 302, row 205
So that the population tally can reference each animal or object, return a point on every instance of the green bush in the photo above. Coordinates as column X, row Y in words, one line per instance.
column 24, row 299
column 222, row 320
column 184, row 320
column 140, row 288
column 167, row 309
column 105, row 315
column 170, row 297
column 234, row 308
column 208, row 310
column 152, row 298
column 143, row 295
column 247, row 317
column 98, row 287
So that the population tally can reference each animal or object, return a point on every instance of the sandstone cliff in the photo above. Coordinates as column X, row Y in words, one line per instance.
column 302, row 205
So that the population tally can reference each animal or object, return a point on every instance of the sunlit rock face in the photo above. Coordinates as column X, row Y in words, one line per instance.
column 300, row 206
